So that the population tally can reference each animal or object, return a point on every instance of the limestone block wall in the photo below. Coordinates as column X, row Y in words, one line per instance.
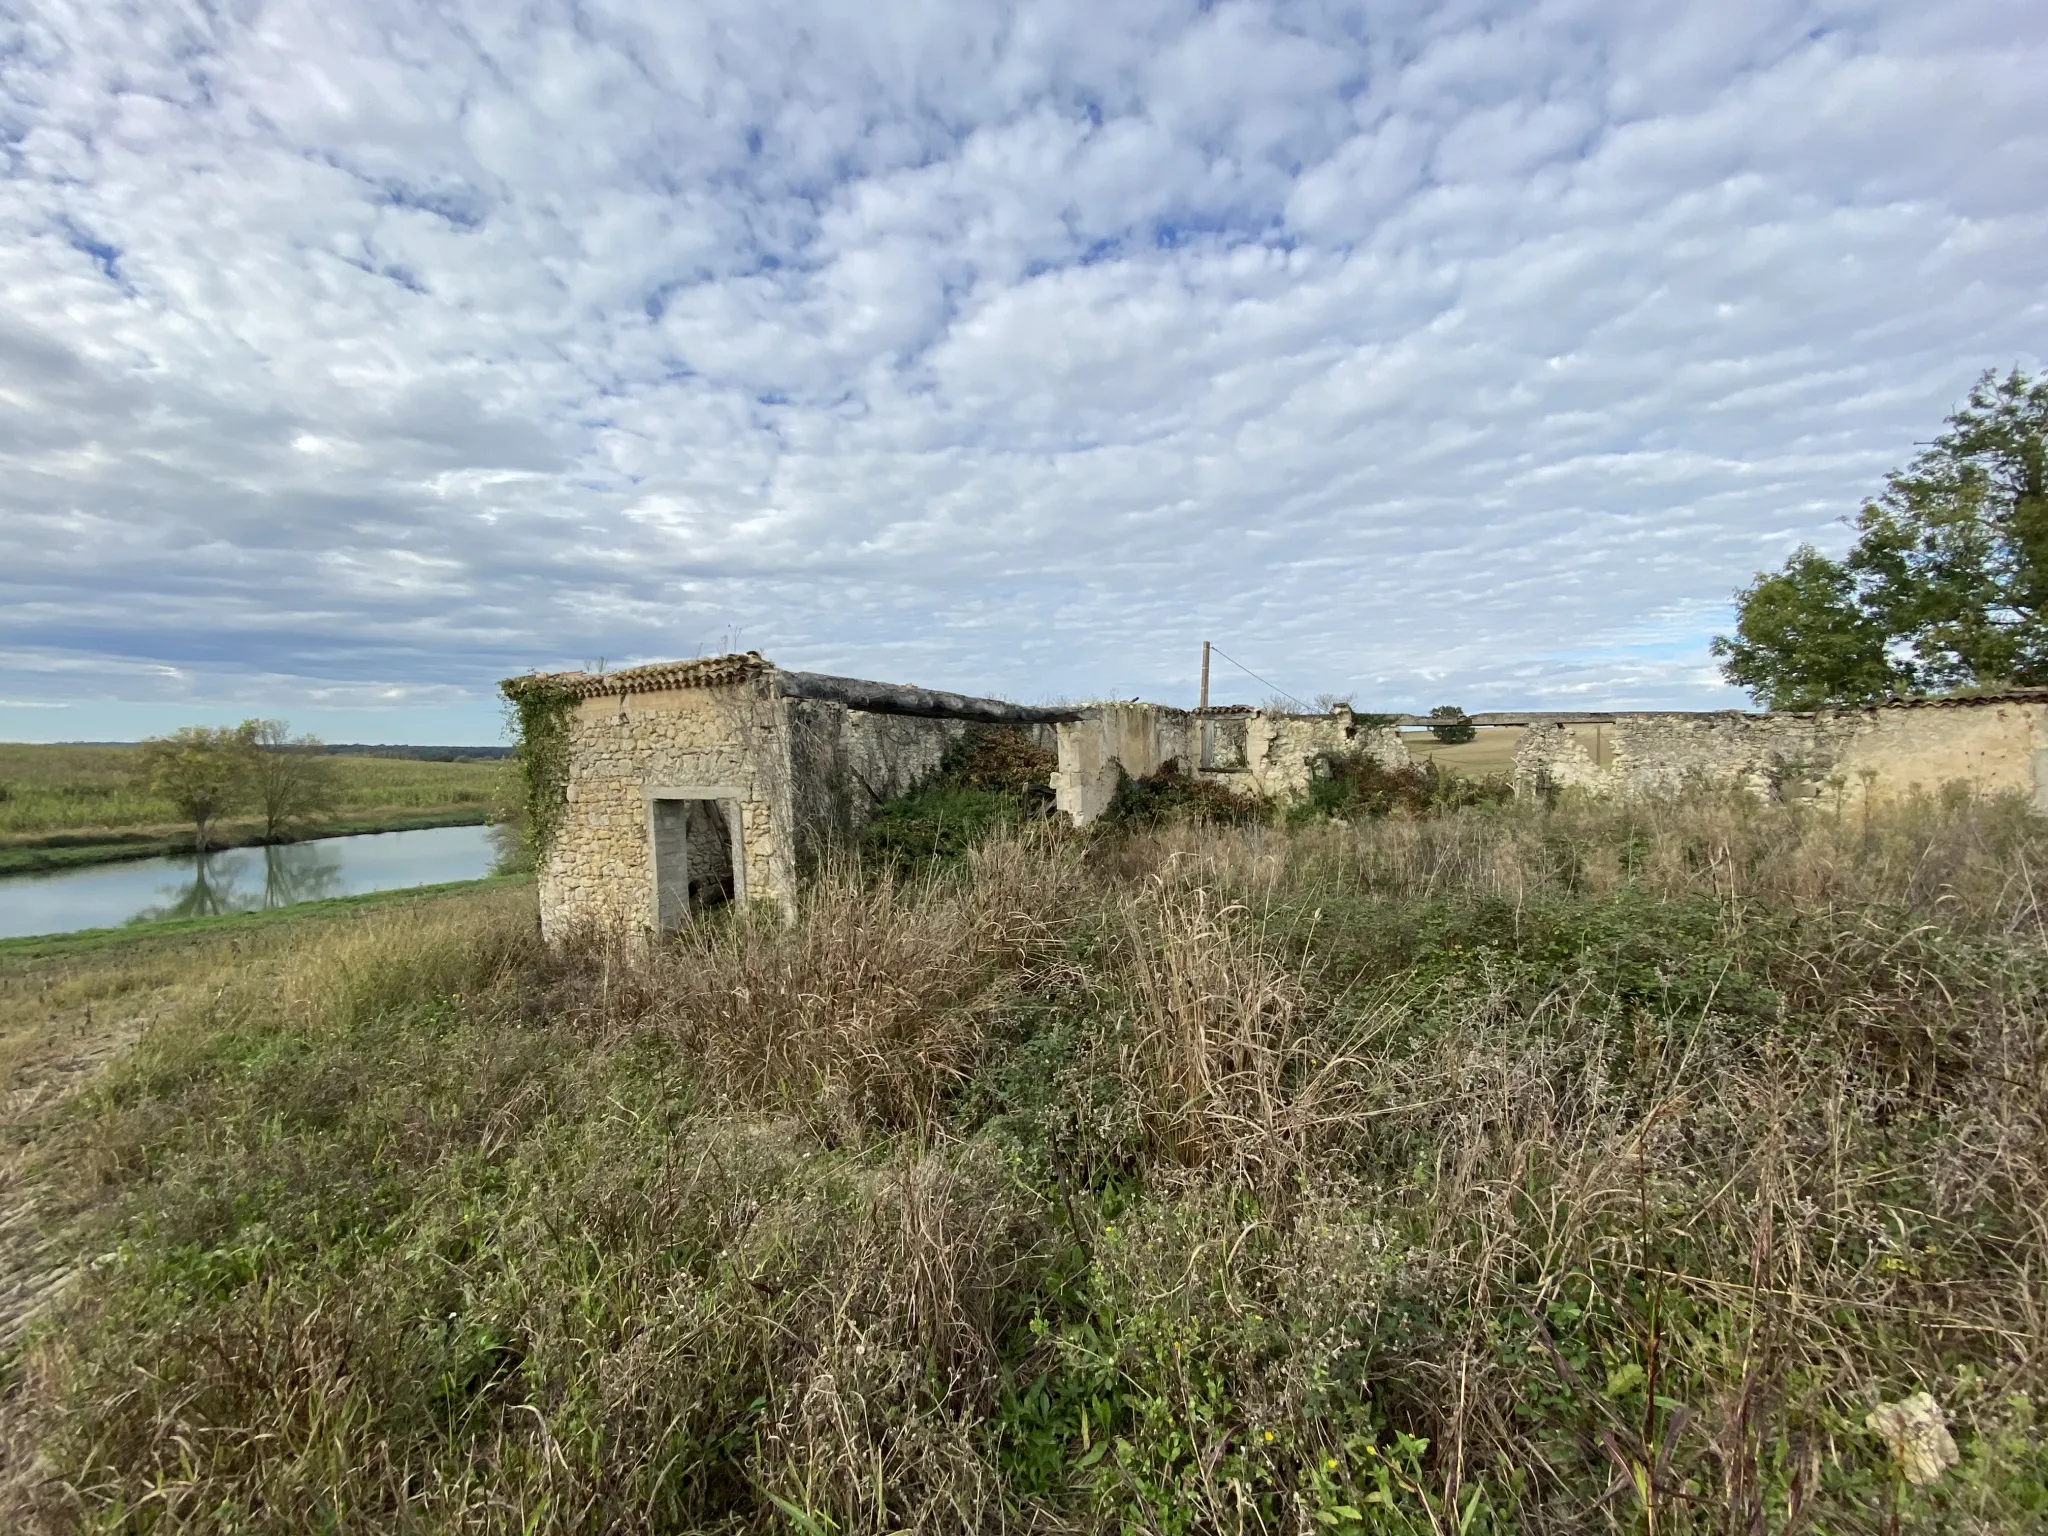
column 1883, row 752
column 844, row 762
column 1991, row 745
column 1111, row 738
column 1635, row 754
column 1279, row 758
column 599, row 872
column 1283, row 750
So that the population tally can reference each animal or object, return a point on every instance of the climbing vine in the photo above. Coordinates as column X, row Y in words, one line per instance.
column 539, row 709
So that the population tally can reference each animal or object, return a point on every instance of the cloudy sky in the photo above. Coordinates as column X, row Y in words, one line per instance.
column 355, row 355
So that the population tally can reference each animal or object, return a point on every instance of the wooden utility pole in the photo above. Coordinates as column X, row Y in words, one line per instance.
column 1205, row 674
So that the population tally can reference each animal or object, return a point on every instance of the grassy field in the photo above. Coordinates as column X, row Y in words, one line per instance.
column 1570, row 1169
column 78, row 804
column 1491, row 751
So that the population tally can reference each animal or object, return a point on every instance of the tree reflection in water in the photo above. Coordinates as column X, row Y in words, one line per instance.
column 229, row 882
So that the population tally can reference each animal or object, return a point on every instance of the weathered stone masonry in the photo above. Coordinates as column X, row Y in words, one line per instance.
column 1992, row 744
column 727, row 777
column 662, row 758
column 1269, row 756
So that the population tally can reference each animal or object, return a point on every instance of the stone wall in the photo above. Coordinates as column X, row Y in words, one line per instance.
column 845, row 762
column 1990, row 744
column 796, row 772
column 1110, row 740
column 599, row 872
column 1268, row 756
column 1283, row 750
column 795, row 759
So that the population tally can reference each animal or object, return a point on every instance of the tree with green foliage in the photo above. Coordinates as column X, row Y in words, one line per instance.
column 1448, row 724
column 202, row 770
column 291, row 779
column 1946, row 586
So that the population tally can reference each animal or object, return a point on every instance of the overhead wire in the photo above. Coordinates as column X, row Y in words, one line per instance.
column 1248, row 672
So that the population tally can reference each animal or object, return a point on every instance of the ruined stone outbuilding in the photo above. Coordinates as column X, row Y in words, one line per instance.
column 697, row 782
column 693, row 783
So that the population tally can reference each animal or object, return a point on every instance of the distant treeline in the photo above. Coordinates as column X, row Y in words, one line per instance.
column 372, row 749
column 418, row 754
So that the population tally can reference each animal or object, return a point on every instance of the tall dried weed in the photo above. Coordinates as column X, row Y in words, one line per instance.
column 1525, row 1169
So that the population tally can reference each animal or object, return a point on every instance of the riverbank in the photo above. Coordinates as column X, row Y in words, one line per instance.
column 47, row 852
column 178, row 930
column 66, row 806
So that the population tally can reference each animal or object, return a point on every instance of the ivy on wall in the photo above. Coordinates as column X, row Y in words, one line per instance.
column 540, row 708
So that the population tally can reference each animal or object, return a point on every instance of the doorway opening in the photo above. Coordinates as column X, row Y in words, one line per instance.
column 698, row 855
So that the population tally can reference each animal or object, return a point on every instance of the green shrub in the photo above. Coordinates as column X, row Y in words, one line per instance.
column 990, row 777
column 1360, row 785
column 1167, row 795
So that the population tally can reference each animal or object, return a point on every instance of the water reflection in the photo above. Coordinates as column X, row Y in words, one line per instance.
column 239, row 879
column 249, row 880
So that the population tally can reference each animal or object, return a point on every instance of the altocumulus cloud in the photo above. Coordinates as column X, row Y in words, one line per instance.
column 355, row 355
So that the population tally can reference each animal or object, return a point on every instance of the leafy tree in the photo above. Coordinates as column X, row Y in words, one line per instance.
column 291, row 779
column 1449, row 725
column 203, row 770
column 1945, row 587
column 1803, row 639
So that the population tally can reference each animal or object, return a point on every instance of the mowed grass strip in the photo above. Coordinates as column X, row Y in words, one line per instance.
column 1523, row 1169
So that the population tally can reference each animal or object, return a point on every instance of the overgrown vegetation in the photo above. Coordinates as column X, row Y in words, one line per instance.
column 1360, row 785
column 990, row 777
column 1534, row 1169
column 538, row 708
column 1166, row 796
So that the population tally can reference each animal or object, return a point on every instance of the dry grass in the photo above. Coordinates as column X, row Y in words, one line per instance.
column 1586, row 1169
column 1491, row 750
column 867, row 1014
column 1233, row 1073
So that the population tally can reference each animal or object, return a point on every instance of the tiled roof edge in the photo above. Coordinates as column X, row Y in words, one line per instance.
column 656, row 677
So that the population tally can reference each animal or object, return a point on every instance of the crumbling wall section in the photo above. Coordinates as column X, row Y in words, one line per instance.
column 1647, row 754
column 886, row 755
column 1110, row 740
column 1267, row 756
column 1286, row 751
column 845, row 762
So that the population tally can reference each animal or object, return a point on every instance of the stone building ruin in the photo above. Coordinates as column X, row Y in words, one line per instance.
column 689, row 784
column 696, row 782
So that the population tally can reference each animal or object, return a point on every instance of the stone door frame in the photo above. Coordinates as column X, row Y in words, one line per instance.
column 730, row 800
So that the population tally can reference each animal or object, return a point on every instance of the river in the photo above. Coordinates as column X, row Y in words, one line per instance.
column 239, row 879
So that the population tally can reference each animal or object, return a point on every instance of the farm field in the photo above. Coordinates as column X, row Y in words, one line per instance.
column 1523, row 1168
column 1491, row 751
column 62, row 805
